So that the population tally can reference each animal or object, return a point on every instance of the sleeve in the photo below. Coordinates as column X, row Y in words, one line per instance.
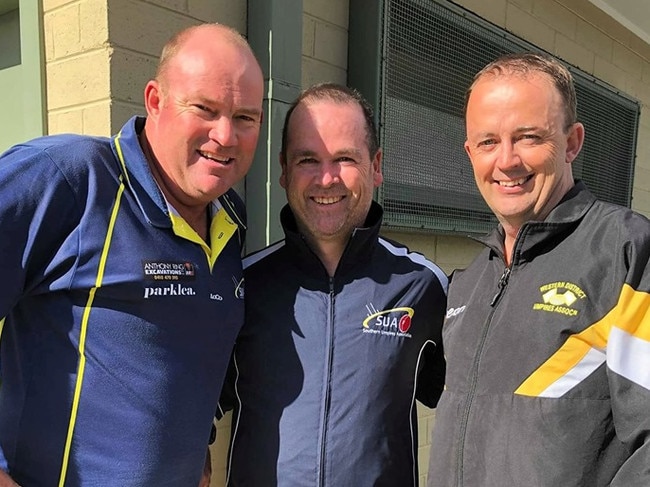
column 628, row 363
column 431, row 371
column 36, row 203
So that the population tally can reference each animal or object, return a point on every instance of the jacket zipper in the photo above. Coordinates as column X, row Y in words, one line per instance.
column 326, row 408
column 501, row 287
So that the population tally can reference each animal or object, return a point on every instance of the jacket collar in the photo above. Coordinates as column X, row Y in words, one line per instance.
column 561, row 220
column 359, row 248
column 137, row 173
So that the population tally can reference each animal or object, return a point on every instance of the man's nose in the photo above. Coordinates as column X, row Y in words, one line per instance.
column 223, row 131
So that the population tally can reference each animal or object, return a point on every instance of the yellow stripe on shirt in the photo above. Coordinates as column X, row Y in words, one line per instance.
column 584, row 352
column 83, row 331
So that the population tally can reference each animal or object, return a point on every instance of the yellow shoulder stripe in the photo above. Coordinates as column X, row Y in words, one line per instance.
column 583, row 352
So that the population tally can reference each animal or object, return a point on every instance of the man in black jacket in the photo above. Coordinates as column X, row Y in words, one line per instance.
column 547, row 335
column 341, row 324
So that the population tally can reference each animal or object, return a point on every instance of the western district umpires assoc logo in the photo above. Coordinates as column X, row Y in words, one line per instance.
column 560, row 297
column 393, row 322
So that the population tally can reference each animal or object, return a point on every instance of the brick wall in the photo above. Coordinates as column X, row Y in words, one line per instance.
column 100, row 53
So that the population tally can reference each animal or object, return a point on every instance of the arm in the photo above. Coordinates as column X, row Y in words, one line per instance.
column 36, row 202
column 431, row 373
column 628, row 366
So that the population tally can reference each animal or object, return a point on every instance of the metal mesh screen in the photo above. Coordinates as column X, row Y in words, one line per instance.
column 430, row 54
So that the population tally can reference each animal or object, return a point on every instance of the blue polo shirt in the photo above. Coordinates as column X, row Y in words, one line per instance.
column 119, row 320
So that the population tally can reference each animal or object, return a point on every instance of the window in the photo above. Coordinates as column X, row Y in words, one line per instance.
column 414, row 59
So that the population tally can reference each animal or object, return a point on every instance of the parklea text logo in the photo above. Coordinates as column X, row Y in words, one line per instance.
column 169, row 290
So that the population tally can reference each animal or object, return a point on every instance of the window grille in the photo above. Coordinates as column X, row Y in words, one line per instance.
column 414, row 59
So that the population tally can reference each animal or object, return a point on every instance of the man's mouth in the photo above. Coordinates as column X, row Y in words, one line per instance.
column 216, row 158
column 515, row 182
column 329, row 200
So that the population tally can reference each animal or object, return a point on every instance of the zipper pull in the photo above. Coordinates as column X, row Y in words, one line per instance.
column 503, row 282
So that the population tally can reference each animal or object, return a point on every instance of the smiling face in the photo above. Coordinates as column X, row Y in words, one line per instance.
column 204, row 115
column 328, row 173
column 519, row 146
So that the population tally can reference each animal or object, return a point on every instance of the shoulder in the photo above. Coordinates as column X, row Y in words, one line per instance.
column 617, row 222
column 415, row 259
column 259, row 259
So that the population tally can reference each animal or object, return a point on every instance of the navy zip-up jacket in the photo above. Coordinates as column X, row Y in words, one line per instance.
column 328, row 369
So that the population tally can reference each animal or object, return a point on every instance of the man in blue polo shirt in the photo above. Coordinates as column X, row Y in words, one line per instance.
column 122, row 279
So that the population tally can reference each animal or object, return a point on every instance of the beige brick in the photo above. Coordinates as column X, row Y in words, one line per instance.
column 65, row 121
column 639, row 89
column 96, row 118
column 526, row 5
column 609, row 73
column 331, row 44
column 176, row 5
column 646, row 73
column 121, row 112
column 49, row 5
column 228, row 12
column 315, row 71
column 639, row 46
column 62, row 32
column 642, row 178
column 128, row 31
column 130, row 73
column 627, row 60
column 219, row 451
column 641, row 201
column 79, row 80
column 574, row 53
column 308, row 35
column 556, row 16
column 93, row 24
column 594, row 39
column 523, row 24
column 423, row 458
column 333, row 11
column 457, row 249
column 493, row 10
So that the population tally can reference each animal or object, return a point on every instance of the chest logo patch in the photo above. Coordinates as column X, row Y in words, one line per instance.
column 560, row 297
column 168, row 271
column 392, row 322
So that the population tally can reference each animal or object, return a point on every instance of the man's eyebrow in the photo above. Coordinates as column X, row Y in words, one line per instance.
column 349, row 151
column 257, row 112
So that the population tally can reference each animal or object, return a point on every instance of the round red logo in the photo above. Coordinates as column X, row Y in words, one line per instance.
column 404, row 323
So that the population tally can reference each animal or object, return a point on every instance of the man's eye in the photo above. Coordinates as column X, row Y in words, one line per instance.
column 346, row 160
column 486, row 142
column 529, row 137
column 307, row 160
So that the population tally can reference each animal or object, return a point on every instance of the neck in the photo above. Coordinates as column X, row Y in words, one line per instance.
column 329, row 253
column 196, row 216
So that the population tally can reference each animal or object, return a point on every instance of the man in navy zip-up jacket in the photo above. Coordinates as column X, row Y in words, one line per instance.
column 339, row 321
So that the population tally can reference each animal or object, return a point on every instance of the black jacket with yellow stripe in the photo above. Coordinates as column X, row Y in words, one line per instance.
column 548, row 360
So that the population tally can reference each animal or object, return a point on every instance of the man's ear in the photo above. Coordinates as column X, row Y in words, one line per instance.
column 152, row 98
column 575, row 138
column 378, row 177
column 283, row 176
